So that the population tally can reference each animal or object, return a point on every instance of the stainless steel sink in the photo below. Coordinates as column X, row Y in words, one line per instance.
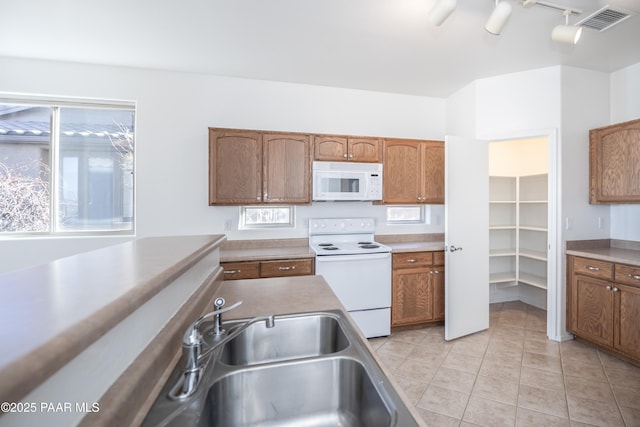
column 307, row 369
column 292, row 337
column 330, row 392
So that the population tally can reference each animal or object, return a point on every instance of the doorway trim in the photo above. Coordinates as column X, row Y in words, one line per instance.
column 555, row 289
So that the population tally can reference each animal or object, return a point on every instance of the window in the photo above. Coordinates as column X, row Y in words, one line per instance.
column 66, row 167
column 405, row 215
column 266, row 217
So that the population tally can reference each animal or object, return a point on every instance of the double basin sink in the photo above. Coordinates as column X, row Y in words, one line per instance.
column 308, row 369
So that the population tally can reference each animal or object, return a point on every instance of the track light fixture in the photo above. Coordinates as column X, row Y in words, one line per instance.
column 566, row 33
column 498, row 18
column 441, row 11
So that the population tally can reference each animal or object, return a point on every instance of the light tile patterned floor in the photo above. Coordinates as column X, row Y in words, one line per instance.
column 511, row 375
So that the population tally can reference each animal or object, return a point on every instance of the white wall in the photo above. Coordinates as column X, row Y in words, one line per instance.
column 625, row 106
column 174, row 111
column 562, row 103
column 519, row 103
column 518, row 157
column 585, row 105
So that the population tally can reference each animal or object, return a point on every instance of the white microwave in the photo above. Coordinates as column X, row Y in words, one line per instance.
column 341, row 181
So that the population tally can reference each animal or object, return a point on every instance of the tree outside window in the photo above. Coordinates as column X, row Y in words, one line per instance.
column 66, row 169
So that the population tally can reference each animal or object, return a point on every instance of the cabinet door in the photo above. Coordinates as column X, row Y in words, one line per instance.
column 614, row 156
column 402, row 171
column 241, row 270
column 627, row 319
column 367, row 150
column 433, row 172
column 286, row 168
column 437, row 277
column 235, row 167
column 330, row 148
column 412, row 260
column 593, row 308
column 290, row 267
column 412, row 299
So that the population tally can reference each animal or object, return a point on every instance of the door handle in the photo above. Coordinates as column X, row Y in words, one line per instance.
column 454, row 249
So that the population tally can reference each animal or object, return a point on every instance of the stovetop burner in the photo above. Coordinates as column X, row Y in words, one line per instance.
column 344, row 236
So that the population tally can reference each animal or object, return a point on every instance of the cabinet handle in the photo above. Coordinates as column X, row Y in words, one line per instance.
column 616, row 290
column 232, row 271
column 264, row 197
column 412, row 260
column 634, row 276
column 608, row 288
column 293, row 267
column 591, row 268
column 345, row 156
column 351, row 156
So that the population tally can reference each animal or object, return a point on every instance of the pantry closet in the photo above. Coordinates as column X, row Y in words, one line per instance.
column 519, row 212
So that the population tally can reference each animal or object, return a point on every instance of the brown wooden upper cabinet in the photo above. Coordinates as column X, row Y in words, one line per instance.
column 413, row 172
column 347, row 149
column 253, row 167
column 614, row 163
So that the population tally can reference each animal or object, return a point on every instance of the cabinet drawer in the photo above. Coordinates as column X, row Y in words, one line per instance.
column 298, row 267
column 412, row 259
column 593, row 268
column 241, row 270
column 628, row 275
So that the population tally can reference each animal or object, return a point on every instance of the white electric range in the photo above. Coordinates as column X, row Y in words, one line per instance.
column 357, row 268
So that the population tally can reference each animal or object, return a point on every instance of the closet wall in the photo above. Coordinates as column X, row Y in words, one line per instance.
column 518, row 211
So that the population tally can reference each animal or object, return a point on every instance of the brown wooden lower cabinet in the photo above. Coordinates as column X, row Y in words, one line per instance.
column 603, row 304
column 417, row 288
column 274, row 268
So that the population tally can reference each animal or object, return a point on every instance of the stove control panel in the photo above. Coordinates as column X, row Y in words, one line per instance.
column 341, row 225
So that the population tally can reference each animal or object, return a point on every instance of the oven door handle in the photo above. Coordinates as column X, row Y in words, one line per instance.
column 353, row 257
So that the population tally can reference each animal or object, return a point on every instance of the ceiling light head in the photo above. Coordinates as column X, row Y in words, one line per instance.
column 498, row 18
column 566, row 33
column 441, row 11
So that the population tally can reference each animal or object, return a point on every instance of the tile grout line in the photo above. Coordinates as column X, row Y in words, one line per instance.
column 606, row 374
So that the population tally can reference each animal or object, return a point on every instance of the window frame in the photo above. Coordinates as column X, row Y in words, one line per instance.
column 422, row 220
column 242, row 225
column 55, row 104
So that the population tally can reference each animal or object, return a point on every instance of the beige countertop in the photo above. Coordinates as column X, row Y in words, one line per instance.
column 52, row 312
column 416, row 246
column 617, row 251
column 278, row 295
column 257, row 250
column 617, row 255
column 258, row 254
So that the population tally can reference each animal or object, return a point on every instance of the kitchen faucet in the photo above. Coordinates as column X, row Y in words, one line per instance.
column 193, row 342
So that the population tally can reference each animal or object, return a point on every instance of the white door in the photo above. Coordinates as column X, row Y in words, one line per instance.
column 466, row 236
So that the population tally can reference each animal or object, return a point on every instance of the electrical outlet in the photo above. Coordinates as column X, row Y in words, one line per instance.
column 228, row 223
column 600, row 223
column 568, row 223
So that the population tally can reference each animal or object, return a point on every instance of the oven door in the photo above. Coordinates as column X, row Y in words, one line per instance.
column 360, row 281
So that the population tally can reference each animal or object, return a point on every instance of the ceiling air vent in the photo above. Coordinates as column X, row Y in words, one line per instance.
column 604, row 18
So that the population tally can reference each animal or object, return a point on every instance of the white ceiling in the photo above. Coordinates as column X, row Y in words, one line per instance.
column 380, row 45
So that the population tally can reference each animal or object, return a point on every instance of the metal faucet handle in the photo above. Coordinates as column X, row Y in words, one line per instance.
column 220, row 310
